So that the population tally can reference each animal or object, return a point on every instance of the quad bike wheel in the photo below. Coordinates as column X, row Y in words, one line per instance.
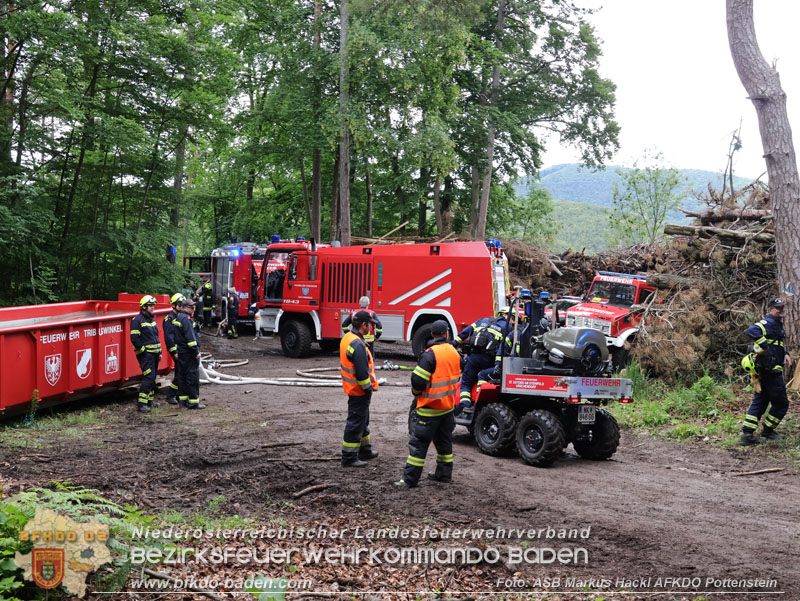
column 604, row 438
column 495, row 426
column 540, row 438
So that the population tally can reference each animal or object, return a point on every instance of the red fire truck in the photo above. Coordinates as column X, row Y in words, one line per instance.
column 607, row 309
column 304, row 294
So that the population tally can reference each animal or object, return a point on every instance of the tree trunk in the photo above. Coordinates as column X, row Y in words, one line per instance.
column 316, row 155
column 475, row 200
column 763, row 86
column 306, row 201
column 344, row 140
column 479, row 230
column 335, row 201
column 422, row 215
column 177, row 188
column 446, row 200
column 369, row 197
column 437, row 206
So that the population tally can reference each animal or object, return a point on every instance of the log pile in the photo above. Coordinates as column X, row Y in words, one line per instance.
column 720, row 284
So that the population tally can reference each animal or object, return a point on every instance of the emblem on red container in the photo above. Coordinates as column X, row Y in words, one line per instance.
column 52, row 368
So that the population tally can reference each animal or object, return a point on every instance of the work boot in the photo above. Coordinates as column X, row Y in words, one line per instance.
column 403, row 485
column 367, row 454
column 434, row 477
column 770, row 434
column 143, row 408
column 749, row 439
column 154, row 404
column 353, row 462
column 195, row 406
column 172, row 400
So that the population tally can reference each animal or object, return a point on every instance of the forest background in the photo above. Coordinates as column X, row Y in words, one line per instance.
column 133, row 131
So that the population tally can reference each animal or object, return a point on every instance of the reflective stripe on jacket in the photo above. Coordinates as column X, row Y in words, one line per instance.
column 441, row 393
column 144, row 334
column 356, row 365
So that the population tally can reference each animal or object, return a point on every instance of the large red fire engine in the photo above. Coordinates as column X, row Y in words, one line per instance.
column 607, row 309
column 304, row 294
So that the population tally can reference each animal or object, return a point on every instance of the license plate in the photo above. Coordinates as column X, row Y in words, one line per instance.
column 586, row 414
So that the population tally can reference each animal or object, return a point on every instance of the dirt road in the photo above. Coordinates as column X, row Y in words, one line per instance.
column 660, row 517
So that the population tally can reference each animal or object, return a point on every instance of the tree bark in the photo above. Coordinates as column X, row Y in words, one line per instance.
column 316, row 153
column 344, row 140
column 763, row 86
column 437, row 206
column 369, row 197
column 479, row 231
column 707, row 231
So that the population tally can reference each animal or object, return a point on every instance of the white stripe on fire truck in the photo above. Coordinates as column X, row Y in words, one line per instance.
column 433, row 294
column 413, row 291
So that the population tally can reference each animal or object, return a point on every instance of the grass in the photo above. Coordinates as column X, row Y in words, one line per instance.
column 27, row 432
column 707, row 411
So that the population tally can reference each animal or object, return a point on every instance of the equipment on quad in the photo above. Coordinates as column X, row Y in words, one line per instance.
column 549, row 397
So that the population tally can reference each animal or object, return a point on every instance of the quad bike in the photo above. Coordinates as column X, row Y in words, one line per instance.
column 550, row 397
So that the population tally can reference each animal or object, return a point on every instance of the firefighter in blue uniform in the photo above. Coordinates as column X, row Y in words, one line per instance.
column 434, row 383
column 508, row 348
column 375, row 328
column 771, row 356
column 188, row 358
column 147, row 346
column 204, row 293
column 170, row 323
column 482, row 341
column 233, row 314
column 358, row 382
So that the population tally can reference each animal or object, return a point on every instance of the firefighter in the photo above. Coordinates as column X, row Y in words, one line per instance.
column 434, row 383
column 507, row 349
column 188, row 358
column 771, row 357
column 233, row 313
column 375, row 329
column 170, row 323
column 359, row 382
column 147, row 346
column 204, row 293
column 481, row 341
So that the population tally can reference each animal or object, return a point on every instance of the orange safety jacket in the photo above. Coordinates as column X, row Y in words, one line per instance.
column 370, row 336
column 353, row 386
column 441, row 394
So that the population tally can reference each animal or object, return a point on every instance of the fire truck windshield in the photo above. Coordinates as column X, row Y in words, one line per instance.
column 613, row 293
column 277, row 260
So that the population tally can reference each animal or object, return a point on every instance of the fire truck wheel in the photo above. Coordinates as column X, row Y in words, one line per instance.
column 419, row 341
column 295, row 339
column 620, row 356
column 604, row 441
column 495, row 426
column 540, row 438
column 328, row 345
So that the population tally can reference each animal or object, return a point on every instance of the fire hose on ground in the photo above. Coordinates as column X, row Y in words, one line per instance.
column 313, row 377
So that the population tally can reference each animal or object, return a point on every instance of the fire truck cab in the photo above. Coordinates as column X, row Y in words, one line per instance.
column 607, row 308
column 236, row 266
column 305, row 294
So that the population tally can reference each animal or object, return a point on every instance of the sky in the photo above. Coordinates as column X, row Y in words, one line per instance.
column 677, row 89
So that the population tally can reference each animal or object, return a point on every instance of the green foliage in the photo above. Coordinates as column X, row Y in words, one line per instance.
column 705, row 410
column 644, row 198
column 12, row 520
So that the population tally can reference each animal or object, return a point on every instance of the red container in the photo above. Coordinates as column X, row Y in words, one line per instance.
column 65, row 351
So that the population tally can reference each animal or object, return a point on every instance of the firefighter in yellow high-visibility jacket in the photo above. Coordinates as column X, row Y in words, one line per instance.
column 359, row 382
column 435, row 383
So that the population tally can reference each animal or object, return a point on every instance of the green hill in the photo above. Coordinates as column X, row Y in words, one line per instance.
column 581, row 184
column 584, row 197
column 582, row 225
